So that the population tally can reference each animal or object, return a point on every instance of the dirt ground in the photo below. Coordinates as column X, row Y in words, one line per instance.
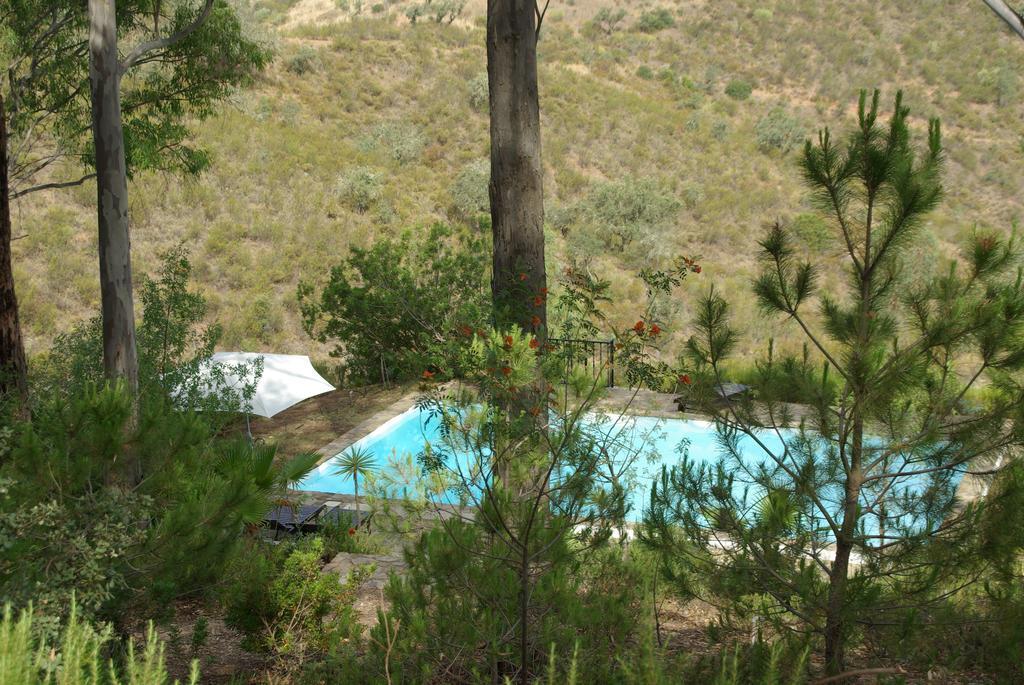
column 312, row 424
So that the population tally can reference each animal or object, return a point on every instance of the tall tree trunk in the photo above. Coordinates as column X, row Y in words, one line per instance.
column 119, row 353
column 13, row 369
column 519, row 279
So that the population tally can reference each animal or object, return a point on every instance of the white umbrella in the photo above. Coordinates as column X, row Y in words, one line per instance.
column 287, row 379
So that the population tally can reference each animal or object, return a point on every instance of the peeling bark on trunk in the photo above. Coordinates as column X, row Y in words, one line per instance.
column 119, row 353
column 519, row 279
column 13, row 368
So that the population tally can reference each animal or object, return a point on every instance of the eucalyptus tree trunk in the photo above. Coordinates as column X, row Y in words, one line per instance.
column 519, row 279
column 13, row 368
column 1012, row 18
column 119, row 353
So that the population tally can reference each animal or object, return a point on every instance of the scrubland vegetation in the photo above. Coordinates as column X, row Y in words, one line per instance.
column 867, row 285
column 365, row 127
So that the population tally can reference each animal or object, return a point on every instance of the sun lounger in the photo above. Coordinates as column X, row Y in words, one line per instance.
column 338, row 514
column 291, row 519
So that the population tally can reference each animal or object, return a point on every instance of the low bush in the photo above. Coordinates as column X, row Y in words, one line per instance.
column 303, row 62
column 361, row 188
column 738, row 89
column 656, row 20
column 470, row 194
column 390, row 310
column 778, row 130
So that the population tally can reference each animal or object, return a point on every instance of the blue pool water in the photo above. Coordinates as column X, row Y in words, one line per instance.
column 647, row 444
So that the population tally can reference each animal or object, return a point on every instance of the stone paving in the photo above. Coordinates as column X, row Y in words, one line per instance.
column 364, row 428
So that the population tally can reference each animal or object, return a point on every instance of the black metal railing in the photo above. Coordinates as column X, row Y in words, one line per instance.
column 596, row 356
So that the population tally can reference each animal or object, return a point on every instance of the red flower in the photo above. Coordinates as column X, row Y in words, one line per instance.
column 685, row 379
column 655, row 329
column 543, row 291
column 639, row 327
column 535, row 321
column 428, row 374
column 467, row 331
column 508, row 341
column 351, row 531
column 506, row 370
column 522, row 277
column 696, row 269
column 538, row 301
column 534, row 343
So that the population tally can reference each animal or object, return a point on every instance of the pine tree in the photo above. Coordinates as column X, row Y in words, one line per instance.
column 850, row 516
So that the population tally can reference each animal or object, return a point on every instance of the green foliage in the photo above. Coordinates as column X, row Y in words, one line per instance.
column 530, row 562
column 118, row 511
column 391, row 308
column 174, row 343
column 608, row 20
column 283, row 602
column 361, row 188
column 74, row 655
column 172, row 86
column 873, row 463
column 403, row 142
column 470, row 194
column 621, row 212
column 139, row 514
column 303, row 62
column 655, row 20
column 479, row 97
column 356, row 462
column 738, row 89
column 811, row 230
column 778, row 130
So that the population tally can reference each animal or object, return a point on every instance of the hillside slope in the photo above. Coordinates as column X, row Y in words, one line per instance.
column 371, row 103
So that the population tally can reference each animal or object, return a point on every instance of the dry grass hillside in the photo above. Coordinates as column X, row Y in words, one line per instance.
column 366, row 124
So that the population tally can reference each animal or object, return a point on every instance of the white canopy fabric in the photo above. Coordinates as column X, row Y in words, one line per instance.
column 287, row 379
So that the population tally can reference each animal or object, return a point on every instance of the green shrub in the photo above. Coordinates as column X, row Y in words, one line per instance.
column 811, row 230
column 608, row 20
column 391, row 309
column 763, row 14
column 738, row 89
column 470, row 194
column 303, row 62
column 283, row 602
column 622, row 211
column 479, row 98
column 778, row 130
column 404, row 142
column 645, row 72
column 378, row 8
column 655, row 20
column 361, row 188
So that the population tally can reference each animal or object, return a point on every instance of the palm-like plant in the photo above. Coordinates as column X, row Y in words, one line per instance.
column 353, row 463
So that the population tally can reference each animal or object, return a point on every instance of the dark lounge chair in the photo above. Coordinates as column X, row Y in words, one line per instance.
column 291, row 519
column 335, row 515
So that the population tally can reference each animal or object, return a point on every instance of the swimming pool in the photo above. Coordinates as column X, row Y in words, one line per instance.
column 648, row 444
